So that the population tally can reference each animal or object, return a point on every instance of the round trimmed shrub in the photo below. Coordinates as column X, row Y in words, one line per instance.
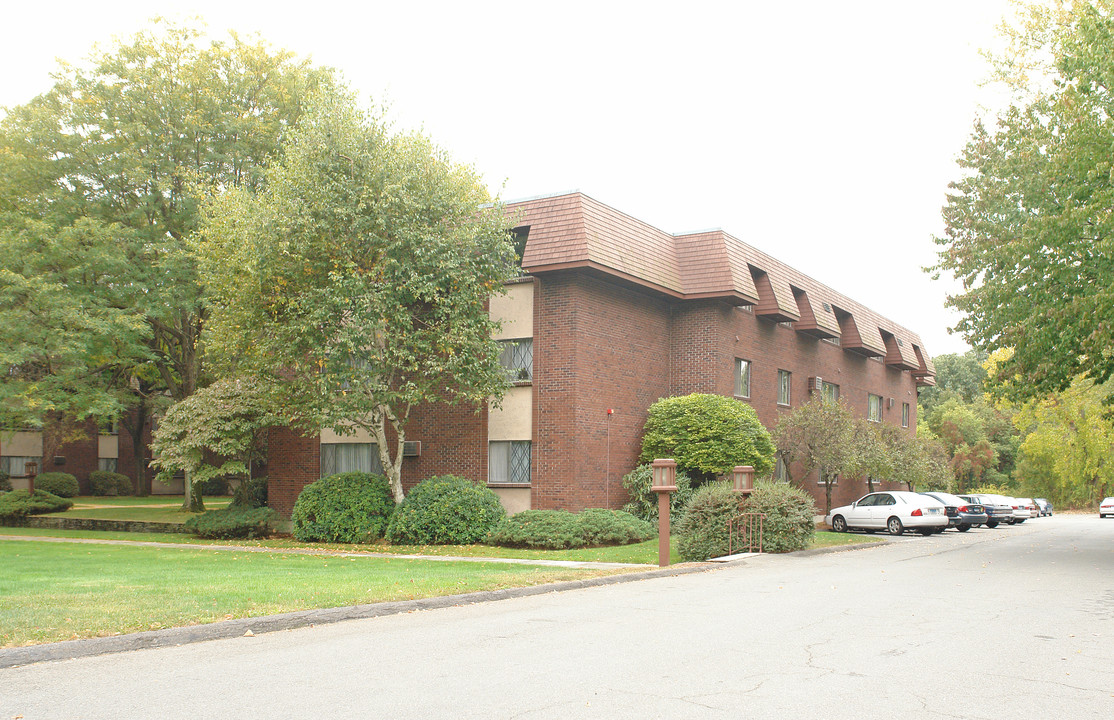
column 57, row 483
column 644, row 503
column 790, row 511
column 702, row 533
column 21, row 503
column 613, row 527
column 103, row 482
column 346, row 508
column 445, row 510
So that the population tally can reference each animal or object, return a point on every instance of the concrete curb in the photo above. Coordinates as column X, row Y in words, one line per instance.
column 73, row 649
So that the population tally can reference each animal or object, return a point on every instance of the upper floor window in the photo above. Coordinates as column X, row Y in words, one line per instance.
column 742, row 378
column 874, row 408
column 517, row 358
column 783, row 387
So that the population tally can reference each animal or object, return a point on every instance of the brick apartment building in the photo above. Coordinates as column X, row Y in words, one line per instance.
column 612, row 314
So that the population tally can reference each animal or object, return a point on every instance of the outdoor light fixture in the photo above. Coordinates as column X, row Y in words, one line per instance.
column 664, row 482
column 744, row 479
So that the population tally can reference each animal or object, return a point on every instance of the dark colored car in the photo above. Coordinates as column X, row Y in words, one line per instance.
column 1045, row 507
column 962, row 514
column 996, row 508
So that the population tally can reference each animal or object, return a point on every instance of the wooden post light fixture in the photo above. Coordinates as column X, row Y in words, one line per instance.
column 664, row 483
column 31, row 469
column 744, row 479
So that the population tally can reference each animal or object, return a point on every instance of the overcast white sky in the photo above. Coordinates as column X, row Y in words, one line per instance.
column 824, row 133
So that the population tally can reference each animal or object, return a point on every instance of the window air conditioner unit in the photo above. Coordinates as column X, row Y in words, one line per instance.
column 815, row 384
column 412, row 448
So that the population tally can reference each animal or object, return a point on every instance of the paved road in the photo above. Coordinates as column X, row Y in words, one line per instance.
column 1013, row 622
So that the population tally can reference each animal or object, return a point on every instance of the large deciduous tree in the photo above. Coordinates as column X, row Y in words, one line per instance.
column 1028, row 227
column 101, row 180
column 357, row 280
column 820, row 435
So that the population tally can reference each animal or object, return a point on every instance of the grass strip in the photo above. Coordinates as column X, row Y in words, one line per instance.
column 61, row 591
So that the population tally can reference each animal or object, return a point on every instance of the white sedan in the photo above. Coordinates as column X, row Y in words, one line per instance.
column 1106, row 507
column 893, row 511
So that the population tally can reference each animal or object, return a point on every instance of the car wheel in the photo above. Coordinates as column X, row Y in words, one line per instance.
column 992, row 523
column 839, row 524
column 894, row 526
column 962, row 528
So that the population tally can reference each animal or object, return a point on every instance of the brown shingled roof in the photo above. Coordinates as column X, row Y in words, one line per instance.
column 575, row 231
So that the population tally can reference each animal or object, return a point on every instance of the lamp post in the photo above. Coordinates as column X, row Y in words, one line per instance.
column 743, row 476
column 664, row 483
column 31, row 469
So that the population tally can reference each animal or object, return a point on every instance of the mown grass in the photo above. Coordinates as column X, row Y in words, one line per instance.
column 62, row 591
column 166, row 509
column 824, row 538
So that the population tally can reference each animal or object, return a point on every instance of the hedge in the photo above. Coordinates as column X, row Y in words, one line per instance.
column 790, row 512
column 349, row 507
column 20, row 503
column 445, row 510
column 233, row 522
column 702, row 532
column 103, row 482
column 560, row 529
column 58, row 483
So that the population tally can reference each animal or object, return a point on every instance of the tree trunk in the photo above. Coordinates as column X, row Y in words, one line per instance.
column 139, row 449
column 392, row 467
column 191, row 501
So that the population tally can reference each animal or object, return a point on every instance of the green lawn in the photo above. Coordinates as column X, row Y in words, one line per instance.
column 824, row 538
column 166, row 508
column 61, row 591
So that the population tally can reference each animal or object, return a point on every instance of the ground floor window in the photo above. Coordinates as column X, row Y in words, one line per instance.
column 15, row 465
column 350, row 457
column 508, row 462
column 107, row 464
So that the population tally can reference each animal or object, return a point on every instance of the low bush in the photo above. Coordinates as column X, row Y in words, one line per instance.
column 21, row 503
column 347, row 508
column 644, row 503
column 560, row 529
column 102, row 482
column 233, row 522
column 5, row 482
column 250, row 493
column 57, row 483
column 702, row 531
column 789, row 511
column 445, row 510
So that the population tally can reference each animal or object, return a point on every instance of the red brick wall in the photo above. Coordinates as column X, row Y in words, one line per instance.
column 71, row 449
column 294, row 461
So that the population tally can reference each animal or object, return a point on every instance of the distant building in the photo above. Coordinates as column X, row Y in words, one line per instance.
column 613, row 314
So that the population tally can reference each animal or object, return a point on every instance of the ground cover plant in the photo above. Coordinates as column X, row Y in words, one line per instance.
column 559, row 529
column 445, row 510
column 21, row 503
column 61, row 591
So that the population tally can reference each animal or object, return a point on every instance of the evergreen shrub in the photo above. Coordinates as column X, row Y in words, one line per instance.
column 445, row 510
column 250, row 493
column 560, row 529
column 702, row 531
column 57, row 483
column 213, row 487
column 5, row 482
column 352, row 507
column 233, row 522
column 20, row 503
column 103, row 482
column 790, row 512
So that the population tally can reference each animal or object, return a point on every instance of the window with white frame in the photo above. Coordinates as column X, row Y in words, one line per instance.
column 517, row 358
column 783, row 387
column 829, row 391
column 508, row 462
column 904, row 415
column 742, row 378
column 350, row 457
column 874, row 408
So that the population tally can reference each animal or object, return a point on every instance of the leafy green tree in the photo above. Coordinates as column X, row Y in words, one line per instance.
column 957, row 376
column 357, row 280
column 1028, row 226
column 708, row 435
column 101, row 180
column 820, row 436
column 218, row 431
column 1066, row 454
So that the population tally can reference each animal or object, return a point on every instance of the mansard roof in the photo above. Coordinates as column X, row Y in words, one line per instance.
column 574, row 231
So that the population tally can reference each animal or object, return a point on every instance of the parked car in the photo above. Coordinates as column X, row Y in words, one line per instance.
column 1020, row 510
column 1044, row 506
column 893, row 511
column 962, row 514
column 1106, row 507
column 997, row 509
column 1031, row 505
